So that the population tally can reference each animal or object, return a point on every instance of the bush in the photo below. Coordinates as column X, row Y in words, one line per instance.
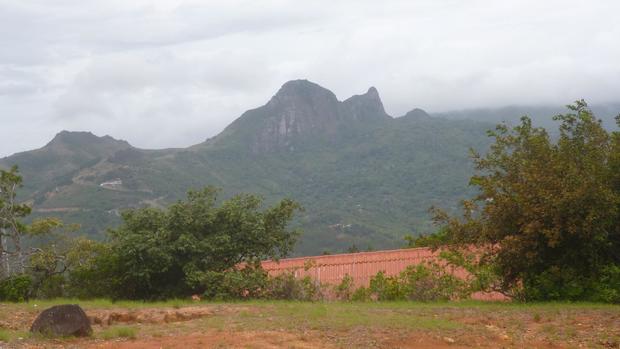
column 385, row 288
column 431, row 283
column 247, row 283
column 52, row 287
column 607, row 289
column 344, row 290
column 361, row 294
column 422, row 282
column 565, row 284
column 15, row 288
column 286, row 287
column 94, row 274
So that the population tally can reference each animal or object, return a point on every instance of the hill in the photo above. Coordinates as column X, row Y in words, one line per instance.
column 365, row 178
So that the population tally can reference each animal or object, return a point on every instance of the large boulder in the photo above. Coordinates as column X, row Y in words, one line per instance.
column 62, row 320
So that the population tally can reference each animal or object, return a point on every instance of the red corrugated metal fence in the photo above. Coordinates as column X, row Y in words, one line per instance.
column 331, row 269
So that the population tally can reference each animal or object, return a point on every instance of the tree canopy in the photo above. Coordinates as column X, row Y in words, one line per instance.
column 547, row 216
column 178, row 251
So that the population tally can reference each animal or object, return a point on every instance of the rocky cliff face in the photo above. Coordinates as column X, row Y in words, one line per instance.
column 366, row 107
column 302, row 109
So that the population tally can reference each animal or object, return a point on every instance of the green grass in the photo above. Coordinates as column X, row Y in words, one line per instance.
column 537, row 309
column 106, row 303
column 5, row 336
column 11, row 335
column 349, row 315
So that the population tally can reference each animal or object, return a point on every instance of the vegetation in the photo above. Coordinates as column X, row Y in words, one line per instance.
column 545, row 225
column 186, row 248
column 26, row 271
column 339, row 324
column 546, row 221
column 366, row 183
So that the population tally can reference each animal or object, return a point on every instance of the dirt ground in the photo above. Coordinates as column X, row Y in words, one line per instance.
column 328, row 325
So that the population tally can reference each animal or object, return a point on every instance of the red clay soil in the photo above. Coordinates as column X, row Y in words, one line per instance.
column 215, row 339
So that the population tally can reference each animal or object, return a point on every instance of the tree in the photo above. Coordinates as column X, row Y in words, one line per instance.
column 547, row 216
column 32, row 266
column 11, row 228
column 179, row 251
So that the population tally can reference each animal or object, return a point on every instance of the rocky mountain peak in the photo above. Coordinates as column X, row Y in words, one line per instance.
column 373, row 93
column 302, row 109
column 366, row 107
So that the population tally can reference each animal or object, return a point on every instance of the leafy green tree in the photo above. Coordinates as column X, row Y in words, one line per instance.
column 547, row 216
column 175, row 252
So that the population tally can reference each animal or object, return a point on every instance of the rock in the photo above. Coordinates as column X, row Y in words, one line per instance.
column 62, row 320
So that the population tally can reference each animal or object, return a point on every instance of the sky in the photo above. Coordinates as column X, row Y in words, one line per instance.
column 165, row 74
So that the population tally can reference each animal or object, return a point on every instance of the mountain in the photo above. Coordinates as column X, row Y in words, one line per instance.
column 302, row 112
column 541, row 115
column 68, row 152
column 365, row 178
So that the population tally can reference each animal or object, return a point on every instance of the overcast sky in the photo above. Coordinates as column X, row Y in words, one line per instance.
column 172, row 73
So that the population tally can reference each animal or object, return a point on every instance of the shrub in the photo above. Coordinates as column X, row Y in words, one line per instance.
column 567, row 284
column 246, row 283
column 607, row 289
column 431, row 282
column 422, row 282
column 286, row 287
column 52, row 287
column 15, row 288
column 94, row 273
column 344, row 290
column 361, row 294
column 385, row 288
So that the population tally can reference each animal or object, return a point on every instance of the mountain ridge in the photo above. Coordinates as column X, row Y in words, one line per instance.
column 302, row 108
column 364, row 177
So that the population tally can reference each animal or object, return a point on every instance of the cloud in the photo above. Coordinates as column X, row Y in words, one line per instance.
column 169, row 73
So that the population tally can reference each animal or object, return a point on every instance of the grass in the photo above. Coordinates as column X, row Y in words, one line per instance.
column 5, row 336
column 11, row 335
column 119, row 332
column 320, row 316
column 513, row 324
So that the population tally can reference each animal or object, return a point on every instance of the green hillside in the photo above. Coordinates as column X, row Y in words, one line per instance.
column 364, row 178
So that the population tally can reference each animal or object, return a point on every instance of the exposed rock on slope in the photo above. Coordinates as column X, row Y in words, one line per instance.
column 364, row 178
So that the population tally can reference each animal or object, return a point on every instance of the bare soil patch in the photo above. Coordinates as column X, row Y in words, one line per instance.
column 107, row 317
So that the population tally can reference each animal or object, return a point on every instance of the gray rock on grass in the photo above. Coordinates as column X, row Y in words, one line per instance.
column 62, row 321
